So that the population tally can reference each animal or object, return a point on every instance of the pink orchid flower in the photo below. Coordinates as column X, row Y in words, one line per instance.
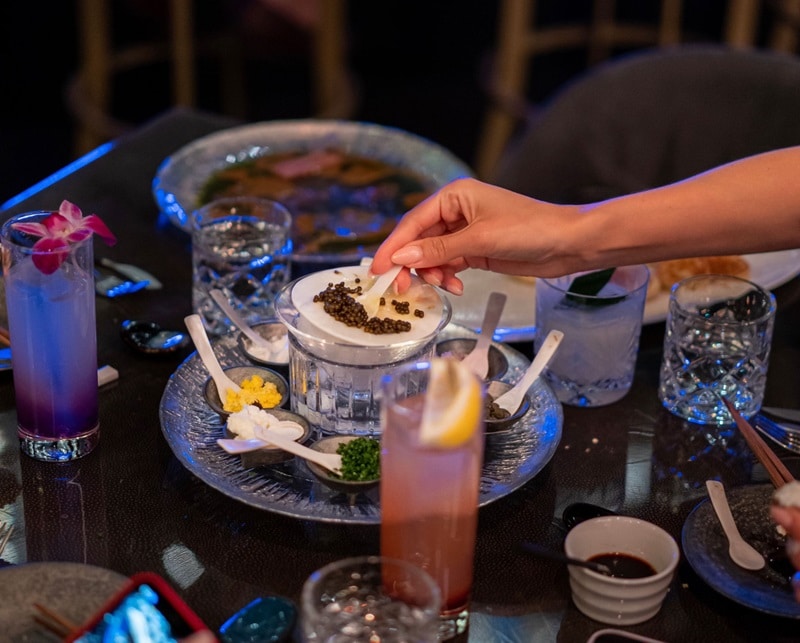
column 58, row 231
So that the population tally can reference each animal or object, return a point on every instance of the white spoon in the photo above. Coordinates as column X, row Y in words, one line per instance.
column 198, row 333
column 329, row 461
column 222, row 301
column 478, row 359
column 371, row 298
column 740, row 551
column 511, row 399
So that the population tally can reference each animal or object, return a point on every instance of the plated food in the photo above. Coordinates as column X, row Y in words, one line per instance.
column 322, row 299
column 664, row 274
column 340, row 202
column 367, row 174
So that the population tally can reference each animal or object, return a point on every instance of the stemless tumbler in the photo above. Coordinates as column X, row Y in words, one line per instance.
column 596, row 361
column 716, row 345
column 241, row 246
column 51, row 319
column 370, row 598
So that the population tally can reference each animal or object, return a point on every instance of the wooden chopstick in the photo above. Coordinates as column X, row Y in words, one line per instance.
column 5, row 338
column 53, row 621
column 777, row 471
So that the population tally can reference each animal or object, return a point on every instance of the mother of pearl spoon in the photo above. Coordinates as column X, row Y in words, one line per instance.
column 198, row 333
column 478, row 358
column 371, row 298
column 740, row 551
column 330, row 461
column 511, row 399
column 222, row 301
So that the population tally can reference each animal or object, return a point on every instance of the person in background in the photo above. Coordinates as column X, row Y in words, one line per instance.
column 749, row 205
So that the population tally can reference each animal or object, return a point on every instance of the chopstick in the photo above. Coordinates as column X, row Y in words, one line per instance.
column 5, row 338
column 53, row 621
column 778, row 473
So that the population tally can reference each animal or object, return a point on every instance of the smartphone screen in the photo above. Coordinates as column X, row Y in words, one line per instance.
column 147, row 610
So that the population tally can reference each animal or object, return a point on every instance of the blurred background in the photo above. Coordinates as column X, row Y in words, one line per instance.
column 467, row 74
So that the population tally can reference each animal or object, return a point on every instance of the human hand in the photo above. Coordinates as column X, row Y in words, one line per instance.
column 789, row 519
column 471, row 224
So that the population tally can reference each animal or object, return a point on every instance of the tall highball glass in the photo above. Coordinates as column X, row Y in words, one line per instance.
column 429, row 495
column 51, row 319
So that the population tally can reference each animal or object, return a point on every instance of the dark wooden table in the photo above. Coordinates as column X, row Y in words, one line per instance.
column 131, row 506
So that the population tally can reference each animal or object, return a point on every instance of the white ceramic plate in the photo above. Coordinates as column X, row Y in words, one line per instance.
column 518, row 323
column 420, row 295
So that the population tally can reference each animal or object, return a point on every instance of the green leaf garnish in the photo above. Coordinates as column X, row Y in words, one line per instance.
column 584, row 289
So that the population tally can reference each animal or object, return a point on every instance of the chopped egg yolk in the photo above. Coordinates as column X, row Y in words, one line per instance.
column 254, row 391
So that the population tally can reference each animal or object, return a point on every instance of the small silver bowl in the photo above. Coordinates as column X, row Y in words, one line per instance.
column 239, row 374
column 350, row 487
column 271, row 454
column 495, row 389
column 272, row 331
column 460, row 347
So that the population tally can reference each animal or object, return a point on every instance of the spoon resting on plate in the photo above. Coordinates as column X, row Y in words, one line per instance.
column 511, row 399
column 198, row 333
column 330, row 461
column 740, row 551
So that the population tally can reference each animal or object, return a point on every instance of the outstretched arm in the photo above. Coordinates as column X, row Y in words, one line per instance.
column 750, row 205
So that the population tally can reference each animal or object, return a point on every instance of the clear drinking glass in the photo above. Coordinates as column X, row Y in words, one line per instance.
column 429, row 496
column 241, row 246
column 595, row 363
column 370, row 598
column 51, row 320
column 335, row 384
column 717, row 343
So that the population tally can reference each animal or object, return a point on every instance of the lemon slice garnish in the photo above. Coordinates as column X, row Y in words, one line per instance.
column 453, row 405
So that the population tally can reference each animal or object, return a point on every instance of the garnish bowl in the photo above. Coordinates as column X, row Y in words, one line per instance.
column 329, row 445
column 239, row 374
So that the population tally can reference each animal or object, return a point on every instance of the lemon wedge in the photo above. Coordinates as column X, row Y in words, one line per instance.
column 453, row 405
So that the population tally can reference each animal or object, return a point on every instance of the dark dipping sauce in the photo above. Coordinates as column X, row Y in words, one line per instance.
column 625, row 565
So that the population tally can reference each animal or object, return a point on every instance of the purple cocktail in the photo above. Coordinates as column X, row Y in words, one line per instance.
column 51, row 318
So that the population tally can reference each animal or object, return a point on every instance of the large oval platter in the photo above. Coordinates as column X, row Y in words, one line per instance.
column 191, row 429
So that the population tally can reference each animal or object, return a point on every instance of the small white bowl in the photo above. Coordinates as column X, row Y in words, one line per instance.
column 621, row 601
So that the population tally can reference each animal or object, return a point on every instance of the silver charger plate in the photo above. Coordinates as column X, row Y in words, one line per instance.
column 73, row 590
column 191, row 429
column 705, row 547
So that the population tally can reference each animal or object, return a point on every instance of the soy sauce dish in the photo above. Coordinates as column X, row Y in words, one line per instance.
column 643, row 559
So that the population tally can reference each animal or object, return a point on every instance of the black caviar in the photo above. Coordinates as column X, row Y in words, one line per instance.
column 361, row 459
column 493, row 410
column 339, row 302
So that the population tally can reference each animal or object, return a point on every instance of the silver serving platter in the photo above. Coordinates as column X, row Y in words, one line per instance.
column 191, row 428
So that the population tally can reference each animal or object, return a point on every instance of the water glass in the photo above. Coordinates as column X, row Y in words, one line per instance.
column 429, row 495
column 596, row 361
column 241, row 246
column 716, row 345
column 370, row 598
column 51, row 320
